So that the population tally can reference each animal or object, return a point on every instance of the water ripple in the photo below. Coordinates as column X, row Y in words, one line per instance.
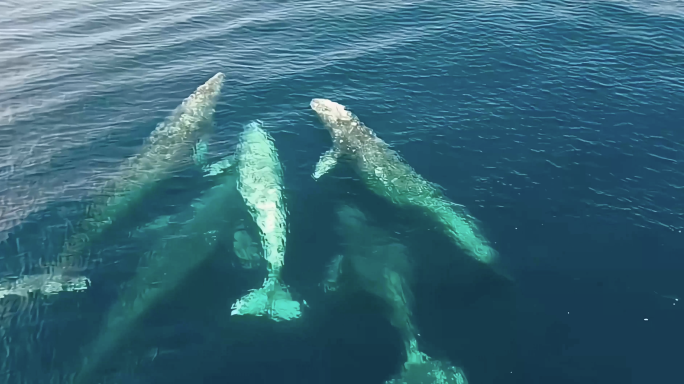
column 572, row 107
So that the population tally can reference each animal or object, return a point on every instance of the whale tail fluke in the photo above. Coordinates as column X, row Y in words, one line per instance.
column 420, row 368
column 273, row 299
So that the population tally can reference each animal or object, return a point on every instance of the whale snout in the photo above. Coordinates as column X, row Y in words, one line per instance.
column 321, row 106
column 213, row 85
column 315, row 102
column 328, row 109
column 217, row 78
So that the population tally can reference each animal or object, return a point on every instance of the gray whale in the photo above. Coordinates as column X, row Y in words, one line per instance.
column 168, row 145
column 388, row 175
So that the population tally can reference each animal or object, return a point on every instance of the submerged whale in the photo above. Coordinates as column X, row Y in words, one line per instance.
column 389, row 176
column 169, row 144
column 162, row 270
column 260, row 183
column 380, row 265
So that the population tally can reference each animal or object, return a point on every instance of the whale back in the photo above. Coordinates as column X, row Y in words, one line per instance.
column 352, row 136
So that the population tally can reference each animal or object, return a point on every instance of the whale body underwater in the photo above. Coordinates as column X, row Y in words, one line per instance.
column 386, row 174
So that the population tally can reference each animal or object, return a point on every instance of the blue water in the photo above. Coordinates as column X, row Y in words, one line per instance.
column 557, row 123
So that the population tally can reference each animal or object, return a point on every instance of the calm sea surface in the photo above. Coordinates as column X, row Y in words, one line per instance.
column 559, row 124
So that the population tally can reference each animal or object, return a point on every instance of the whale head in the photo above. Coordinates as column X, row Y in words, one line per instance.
column 333, row 115
column 213, row 85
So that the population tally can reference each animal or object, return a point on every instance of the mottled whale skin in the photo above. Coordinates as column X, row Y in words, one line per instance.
column 388, row 175
column 169, row 144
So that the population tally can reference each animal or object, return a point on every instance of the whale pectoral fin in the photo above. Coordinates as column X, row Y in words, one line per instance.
column 327, row 162
column 199, row 153
column 334, row 270
column 227, row 164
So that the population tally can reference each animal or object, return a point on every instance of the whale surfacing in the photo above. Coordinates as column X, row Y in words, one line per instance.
column 388, row 175
column 260, row 182
column 168, row 145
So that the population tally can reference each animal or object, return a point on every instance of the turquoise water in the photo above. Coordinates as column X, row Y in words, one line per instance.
column 558, row 124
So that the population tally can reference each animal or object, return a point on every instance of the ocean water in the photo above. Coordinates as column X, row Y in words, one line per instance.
column 558, row 124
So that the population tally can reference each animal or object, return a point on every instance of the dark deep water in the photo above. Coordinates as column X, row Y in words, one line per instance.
column 558, row 124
